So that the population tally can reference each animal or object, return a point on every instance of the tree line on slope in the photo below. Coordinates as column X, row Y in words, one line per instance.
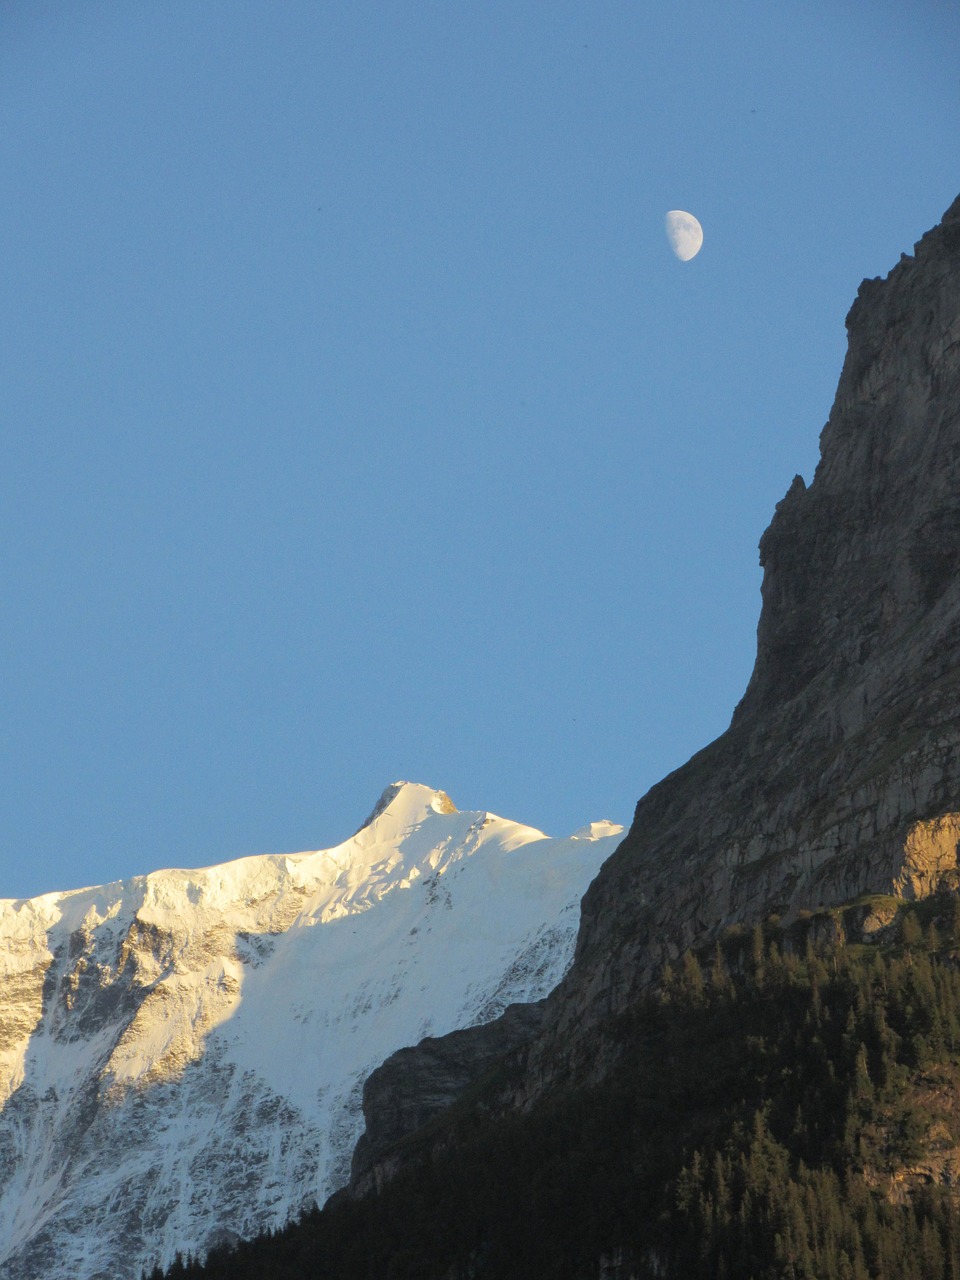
column 777, row 1111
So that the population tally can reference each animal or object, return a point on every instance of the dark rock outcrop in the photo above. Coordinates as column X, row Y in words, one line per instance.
column 840, row 772
column 415, row 1085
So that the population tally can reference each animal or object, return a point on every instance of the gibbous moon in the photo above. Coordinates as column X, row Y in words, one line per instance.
column 684, row 233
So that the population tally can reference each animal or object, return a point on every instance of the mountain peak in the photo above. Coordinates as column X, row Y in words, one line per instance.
column 409, row 802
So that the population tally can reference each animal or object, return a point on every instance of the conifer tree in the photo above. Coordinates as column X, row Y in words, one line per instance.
column 691, row 976
column 910, row 929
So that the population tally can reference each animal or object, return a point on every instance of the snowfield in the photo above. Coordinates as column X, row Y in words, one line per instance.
column 182, row 1054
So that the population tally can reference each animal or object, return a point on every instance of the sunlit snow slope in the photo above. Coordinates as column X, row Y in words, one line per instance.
column 182, row 1055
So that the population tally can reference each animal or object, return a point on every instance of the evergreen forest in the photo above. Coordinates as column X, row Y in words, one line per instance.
column 784, row 1106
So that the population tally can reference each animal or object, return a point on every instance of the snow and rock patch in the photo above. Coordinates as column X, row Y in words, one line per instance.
column 183, row 1055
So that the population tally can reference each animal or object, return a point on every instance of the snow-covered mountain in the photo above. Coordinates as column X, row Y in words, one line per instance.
column 182, row 1054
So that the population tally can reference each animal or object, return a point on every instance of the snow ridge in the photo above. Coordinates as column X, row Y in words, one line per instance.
column 182, row 1054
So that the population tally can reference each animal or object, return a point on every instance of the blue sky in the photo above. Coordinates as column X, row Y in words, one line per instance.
column 357, row 422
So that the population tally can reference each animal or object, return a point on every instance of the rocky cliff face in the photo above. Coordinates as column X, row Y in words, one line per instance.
column 840, row 773
column 182, row 1055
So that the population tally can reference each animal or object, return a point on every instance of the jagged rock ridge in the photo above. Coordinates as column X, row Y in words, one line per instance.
column 182, row 1055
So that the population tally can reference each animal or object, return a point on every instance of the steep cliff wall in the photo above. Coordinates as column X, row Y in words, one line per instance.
column 840, row 772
